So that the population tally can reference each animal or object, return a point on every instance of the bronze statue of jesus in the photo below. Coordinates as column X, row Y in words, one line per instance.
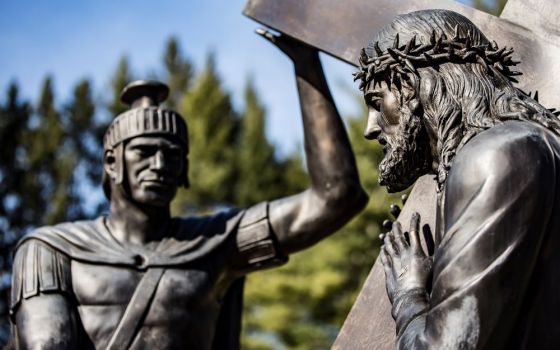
column 442, row 100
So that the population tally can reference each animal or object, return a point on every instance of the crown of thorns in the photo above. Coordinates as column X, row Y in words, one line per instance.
column 397, row 62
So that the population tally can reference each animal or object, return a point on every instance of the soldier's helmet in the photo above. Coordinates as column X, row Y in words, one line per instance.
column 144, row 118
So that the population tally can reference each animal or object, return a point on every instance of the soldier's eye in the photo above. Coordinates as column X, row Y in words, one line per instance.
column 174, row 153
column 144, row 151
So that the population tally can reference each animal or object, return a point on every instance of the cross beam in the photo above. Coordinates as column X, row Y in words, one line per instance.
column 341, row 28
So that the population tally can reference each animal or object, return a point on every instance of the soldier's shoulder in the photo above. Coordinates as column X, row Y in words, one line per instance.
column 70, row 228
column 210, row 222
column 38, row 268
column 59, row 237
column 66, row 226
column 41, row 263
column 225, row 217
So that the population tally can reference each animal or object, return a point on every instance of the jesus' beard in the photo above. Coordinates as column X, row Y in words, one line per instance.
column 407, row 156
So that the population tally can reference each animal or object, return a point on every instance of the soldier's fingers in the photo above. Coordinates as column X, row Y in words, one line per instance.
column 415, row 232
column 266, row 34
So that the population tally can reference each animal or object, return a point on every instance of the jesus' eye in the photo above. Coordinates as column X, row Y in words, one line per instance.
column 374, row 100
column 376, row 103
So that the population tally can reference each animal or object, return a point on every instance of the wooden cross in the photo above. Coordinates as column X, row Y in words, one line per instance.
column 342, row 27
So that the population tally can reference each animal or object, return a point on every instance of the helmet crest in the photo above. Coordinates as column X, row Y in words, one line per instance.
column 145, row 117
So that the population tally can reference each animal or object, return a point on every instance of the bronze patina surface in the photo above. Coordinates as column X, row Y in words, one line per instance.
column 139, row 278
column 341, row 29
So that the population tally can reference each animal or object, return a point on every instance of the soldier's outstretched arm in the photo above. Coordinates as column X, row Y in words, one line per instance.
column 335, row 194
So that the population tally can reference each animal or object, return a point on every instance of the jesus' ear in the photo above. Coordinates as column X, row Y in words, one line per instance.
column 409, row 97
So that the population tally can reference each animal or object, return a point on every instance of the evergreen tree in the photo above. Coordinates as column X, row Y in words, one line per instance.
column 260, row 175
column 179, row 72
column 294, row 176
column 303, row 304
column 121, row 77
column 37, row 167
column 49, row 159
column 213, row 126
column 14, row 116
column 47, row 150
column 83, row 131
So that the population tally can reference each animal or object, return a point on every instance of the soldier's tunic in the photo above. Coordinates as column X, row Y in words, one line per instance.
column 201, row 258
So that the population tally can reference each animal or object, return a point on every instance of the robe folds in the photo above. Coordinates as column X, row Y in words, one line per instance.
column 496, row 272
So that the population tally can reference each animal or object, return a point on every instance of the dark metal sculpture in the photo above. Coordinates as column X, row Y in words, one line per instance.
column 442, row 101
column 139, row 278
column 341, row 28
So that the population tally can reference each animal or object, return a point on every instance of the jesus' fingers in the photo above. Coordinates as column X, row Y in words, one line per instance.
column 415, row 232
column 399, row 238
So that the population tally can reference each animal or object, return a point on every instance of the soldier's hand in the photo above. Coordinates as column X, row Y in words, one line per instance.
column 298, row 51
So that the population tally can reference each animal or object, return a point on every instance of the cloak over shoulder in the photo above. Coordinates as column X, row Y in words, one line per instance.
column 188, row 240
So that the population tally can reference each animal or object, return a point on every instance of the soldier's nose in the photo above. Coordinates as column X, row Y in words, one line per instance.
column 158, row 160
column 372, row 130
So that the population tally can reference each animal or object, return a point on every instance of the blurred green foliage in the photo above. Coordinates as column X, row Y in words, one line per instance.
column 49, row 150
column 213, row 128
column 303, row 304
column 50, row 165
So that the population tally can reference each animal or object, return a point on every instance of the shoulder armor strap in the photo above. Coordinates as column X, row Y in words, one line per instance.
column 255, row 241
column 38, row 268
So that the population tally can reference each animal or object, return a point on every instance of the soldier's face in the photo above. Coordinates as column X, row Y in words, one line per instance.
column 402, row 136
column 153, row 168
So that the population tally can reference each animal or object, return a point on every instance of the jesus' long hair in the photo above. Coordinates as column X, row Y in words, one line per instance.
column 460, row 96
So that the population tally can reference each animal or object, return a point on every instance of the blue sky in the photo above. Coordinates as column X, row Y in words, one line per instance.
column 85, row 39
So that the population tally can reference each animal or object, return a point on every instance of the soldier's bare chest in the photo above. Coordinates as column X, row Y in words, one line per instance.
column 110, row 285
column 184, row 300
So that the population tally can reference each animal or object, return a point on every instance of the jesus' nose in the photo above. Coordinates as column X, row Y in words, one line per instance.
column 372, row 130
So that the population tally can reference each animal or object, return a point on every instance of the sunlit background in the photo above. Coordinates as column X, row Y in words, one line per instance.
column 67, row 61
